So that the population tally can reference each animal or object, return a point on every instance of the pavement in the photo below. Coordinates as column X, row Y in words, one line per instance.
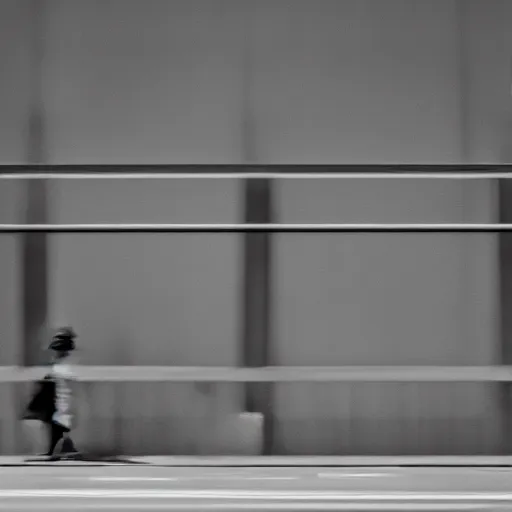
column 77, row 487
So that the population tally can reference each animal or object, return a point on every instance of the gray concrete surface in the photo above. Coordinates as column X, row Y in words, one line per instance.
column 436, row 91
column 62, row 487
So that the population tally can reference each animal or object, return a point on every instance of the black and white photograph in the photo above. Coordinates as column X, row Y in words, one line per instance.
column 256, row 255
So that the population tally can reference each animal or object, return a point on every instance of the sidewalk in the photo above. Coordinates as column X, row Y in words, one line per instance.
column 285, row 461
column 335, row 461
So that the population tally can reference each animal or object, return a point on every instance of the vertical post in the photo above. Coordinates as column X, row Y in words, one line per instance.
column 257, row 249
column 34, row 245
column 257, row 303
column 505, row 274
column 505, row 279
column 505, row 262
column 463, row 80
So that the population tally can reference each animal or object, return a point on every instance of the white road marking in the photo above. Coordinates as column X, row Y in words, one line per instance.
column 126, row 479
column 355, row 475
column 288, row 507
column 175, row 479
column 368, row 497
column 270, row 478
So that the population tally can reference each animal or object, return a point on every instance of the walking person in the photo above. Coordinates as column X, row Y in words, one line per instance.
column 51, row 407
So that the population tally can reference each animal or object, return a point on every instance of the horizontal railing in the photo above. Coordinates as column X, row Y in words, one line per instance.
column 260, row 176
column 295, row 172
column 256, row 228
column 270, row 374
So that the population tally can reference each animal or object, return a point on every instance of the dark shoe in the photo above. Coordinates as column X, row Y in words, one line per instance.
column 65, row 450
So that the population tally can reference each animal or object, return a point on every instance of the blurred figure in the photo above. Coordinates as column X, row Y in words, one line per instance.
column 63, row 343
column 38, row 416
column 49, row 413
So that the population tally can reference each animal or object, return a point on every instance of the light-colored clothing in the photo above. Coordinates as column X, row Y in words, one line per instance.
column 63, row 375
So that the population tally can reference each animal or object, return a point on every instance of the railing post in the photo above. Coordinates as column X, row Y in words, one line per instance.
column 34, row 245
column 505, row 280
column 257, row 303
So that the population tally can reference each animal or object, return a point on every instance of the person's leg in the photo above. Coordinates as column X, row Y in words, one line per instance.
column 57, row 434
column 62, row 445
column 68, row 446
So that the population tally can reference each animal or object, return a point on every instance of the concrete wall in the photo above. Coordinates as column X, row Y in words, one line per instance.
column 303, row 81
column 147, row 85
column 356, row 81
column 400, row 300
column 385, row 299
column 329, row 81
column 148, row 299
column 130, row 83
column 487, row 79
column 338, row 82
column 139, row 85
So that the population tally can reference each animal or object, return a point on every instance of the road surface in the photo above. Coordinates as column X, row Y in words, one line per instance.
column 66, row 486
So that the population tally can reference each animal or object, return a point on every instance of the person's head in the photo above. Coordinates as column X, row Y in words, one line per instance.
column 63, row 343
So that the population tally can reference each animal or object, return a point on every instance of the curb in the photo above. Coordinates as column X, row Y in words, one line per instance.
column 292, row 461
column 266, row 461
